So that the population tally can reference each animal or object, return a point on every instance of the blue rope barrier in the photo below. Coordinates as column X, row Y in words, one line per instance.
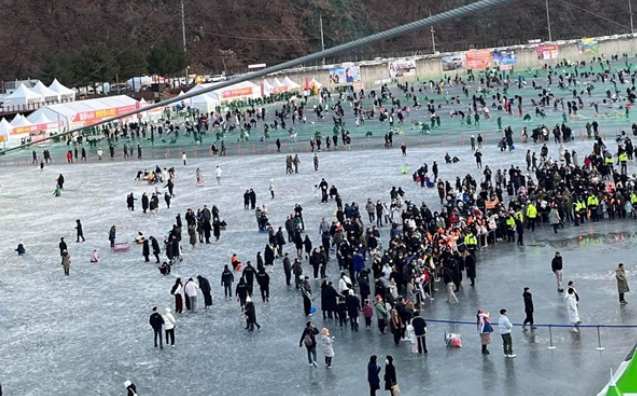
column 460, row 322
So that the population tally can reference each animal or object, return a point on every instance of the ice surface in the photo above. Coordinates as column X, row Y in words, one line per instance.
column 88, row 333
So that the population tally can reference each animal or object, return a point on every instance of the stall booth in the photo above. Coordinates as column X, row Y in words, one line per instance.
column 88, row 112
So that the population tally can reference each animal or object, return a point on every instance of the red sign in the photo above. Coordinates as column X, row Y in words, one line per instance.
column 547, row 51
column 478, row 59
column 93, row 116
column 33, row 128
column 233, row 93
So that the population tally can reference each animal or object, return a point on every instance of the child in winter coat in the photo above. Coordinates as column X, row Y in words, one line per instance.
column 327, row 342
column 368, row 312
column 94, row 257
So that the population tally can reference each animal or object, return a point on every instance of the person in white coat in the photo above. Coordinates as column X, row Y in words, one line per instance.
column 183, row 157
column 218, row 174
column 271, row 188
column 169, row 327
column 191, row 293
column 573, row 311
column 327, row 343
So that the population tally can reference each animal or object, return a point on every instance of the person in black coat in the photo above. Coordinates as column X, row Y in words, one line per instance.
column 156, row 249
column 251, row 316
column 390, row 373
column 146, row 250
column 315, row 262
column 328, row 299
column 130, row 202
column 131, row 389
column 280, row 241
column 470, row 265
column 353, row 307
column 263, row 279
column 246, row 200
column 242, row 292
column 60, row 182
column 420, row 330
column 204, row 286
column 62, row 246
column 248, row 275
column 157, row 322
column 364, row 288
column 145, row 202
column 269, row 255
column 207, row 227
column 216, row 229
column 253, row 199
column 79, row 230
column 528, row 308
column 373, row 371
column 227, row 278
column 287, row 269
column 308, row 246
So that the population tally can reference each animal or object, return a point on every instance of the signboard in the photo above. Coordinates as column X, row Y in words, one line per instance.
column 547, row 51
column 454, row 61
column 588, row 46
column 504, row 59
column 345, row 74
column 478, row 59
column 257, row 66
column 34, row 129
column 234, row 93
column 90, row 117
column 402, row 68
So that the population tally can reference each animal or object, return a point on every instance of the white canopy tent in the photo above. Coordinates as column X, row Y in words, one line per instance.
column 20, row 121
column 64, row 92
column 205, row 103
column 266, row 88
column 5, row 131
column 48, row 94
column 137, row 83
column 22, row 96
column 43, row 122
column 87, row 112
column 240, row 91
column 290, row 84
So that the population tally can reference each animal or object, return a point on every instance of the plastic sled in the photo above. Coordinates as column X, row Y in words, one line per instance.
column 200, row 183
column 312, row 310
column 121, row 247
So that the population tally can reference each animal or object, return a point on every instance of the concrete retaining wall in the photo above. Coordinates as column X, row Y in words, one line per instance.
column 374, row 73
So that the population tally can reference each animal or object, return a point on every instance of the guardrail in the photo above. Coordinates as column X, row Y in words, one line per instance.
column 550, row 326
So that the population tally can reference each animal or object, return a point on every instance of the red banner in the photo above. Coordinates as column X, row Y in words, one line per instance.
column 233, row 93
column 93, row 116
column 478, row 59
column 547, row 51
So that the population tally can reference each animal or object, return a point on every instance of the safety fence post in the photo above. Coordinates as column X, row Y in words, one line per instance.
column 551, row 346
column 599, row 340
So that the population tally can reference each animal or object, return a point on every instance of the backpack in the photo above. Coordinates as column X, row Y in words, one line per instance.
column 307, row 340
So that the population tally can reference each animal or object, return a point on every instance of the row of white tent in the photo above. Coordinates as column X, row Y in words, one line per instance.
column 61, row 117
column 38, row 94
column 207, row 102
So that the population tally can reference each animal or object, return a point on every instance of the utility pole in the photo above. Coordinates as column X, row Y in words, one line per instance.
column 630, row 12
column 183, row 35
column 323, row 38
column 548, row 20
column 433, row 35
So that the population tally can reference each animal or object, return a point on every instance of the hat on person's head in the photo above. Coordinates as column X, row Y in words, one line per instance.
column 127, row 383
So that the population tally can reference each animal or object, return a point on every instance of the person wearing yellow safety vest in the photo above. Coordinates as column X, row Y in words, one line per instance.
column 633, row 202
column 470, row 242
column 581, row 209
column 608, row 161
column 592, row 203
column 510, row 222
column 622, row 159
column 531, row 215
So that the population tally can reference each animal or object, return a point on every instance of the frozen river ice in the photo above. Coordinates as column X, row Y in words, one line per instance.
column 88, row 333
